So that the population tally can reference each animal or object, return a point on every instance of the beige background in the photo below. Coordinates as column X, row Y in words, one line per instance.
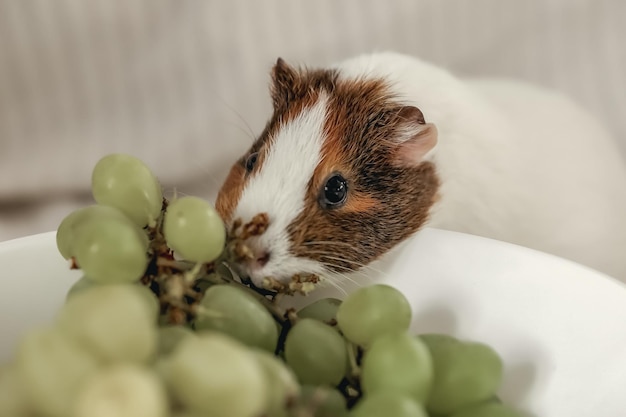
column 183, row 84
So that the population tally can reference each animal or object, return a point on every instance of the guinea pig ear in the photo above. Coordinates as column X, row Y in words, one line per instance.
column 414, row 136
column 284, row 78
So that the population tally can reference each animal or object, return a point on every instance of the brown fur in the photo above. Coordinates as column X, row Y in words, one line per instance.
column 388, row 198
column 292, row 93
column 231, row 191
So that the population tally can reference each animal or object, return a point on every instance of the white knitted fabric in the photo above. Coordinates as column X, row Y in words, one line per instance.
column 183, row 84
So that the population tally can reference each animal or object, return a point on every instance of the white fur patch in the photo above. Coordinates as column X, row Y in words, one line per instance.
column 279, row 188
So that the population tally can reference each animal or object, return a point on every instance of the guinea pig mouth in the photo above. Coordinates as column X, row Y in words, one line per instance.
column 246, row 274
column 262, row 256
column 254, row 271
column 280, row 273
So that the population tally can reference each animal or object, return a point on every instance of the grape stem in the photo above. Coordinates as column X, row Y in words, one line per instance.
column 355, row 369
column 175, row 302
column 191, row 276
column 174, row 264
column 199, row 310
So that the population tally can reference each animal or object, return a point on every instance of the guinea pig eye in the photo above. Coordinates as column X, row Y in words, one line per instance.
column 334, row 193
column 251, row 161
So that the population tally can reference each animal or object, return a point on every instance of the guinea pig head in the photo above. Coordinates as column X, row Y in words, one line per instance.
column 341, row 169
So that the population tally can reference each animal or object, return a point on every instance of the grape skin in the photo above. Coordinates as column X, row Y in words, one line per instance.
column 115, row 322
column 50, row 368
column 387, row 404
column 232, row 311
column 78, row 286
column 398, row 362
column 125, row 182
column 324, row 310
column 12, row 398
column 466, row 373
column 66, row 232
column 373, row 311
column 281, row 383
column 194, row 230
column 111, row 250
column 171, row 336
column 488, row 410
column 316, row 353
column 208, row 373
column 122, row 390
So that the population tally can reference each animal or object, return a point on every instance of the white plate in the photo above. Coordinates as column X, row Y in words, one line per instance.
column 560, row 328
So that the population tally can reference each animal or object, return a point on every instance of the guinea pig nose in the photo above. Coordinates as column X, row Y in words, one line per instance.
column 263, row 258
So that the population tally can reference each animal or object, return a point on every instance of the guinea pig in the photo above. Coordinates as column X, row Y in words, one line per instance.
column 358, row 157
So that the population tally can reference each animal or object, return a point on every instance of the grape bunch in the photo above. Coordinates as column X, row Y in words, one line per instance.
column 160, row 325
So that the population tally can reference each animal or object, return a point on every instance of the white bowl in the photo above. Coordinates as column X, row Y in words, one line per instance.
column 559, row 327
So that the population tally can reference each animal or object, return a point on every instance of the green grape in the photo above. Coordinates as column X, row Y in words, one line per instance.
column 160, row 366
column 13, row 402
column 438, row 339
column 125, row 182
column 215, row 375
column 111, row 251
column 466, row 373
column 122, row 390
column 51, row 368
column 194, row 230
column 398, row 362
column 387, row 404
column 114, row 322
column 171, row 336
column 488, row 410
column 233, row 311
column 480, row 405
column 189, row 414
column 149, row 298
column 373, row 311
column 281, row 383
column 322, row 401
column 143, row 291
column 316, row 352
column 78, row 286
column 324, row 310
column 66, row 233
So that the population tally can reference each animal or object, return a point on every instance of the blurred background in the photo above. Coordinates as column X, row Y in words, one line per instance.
column 183, row 84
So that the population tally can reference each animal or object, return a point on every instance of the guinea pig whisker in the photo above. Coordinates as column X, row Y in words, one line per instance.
column 346, row 269
column 369, row 273
column 346, row 276
column 175, row 191
column 342, row 269
column 244, row 131
column 249, row 132
column 327, row 242
column 343, row 275
column 210, row 175
column 329, row 255
column 344, row 279
column 339, row 266
column 330, row 279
